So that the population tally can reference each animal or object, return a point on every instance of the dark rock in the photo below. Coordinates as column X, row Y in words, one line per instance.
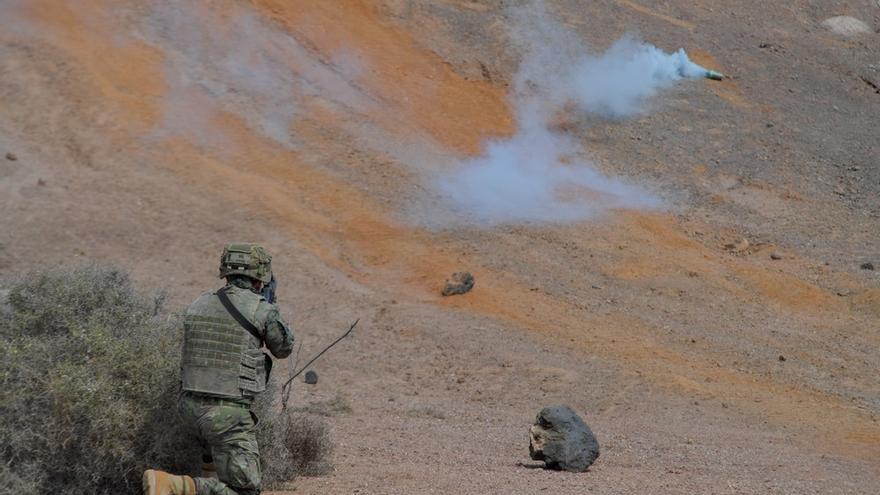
column 775, row 255
column 867, row 266
column 311, row 377
column 781, row 357
column 562, row 440
column 459, row 283
column 11, row 156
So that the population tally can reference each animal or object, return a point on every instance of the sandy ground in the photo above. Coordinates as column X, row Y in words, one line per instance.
column 150, row 133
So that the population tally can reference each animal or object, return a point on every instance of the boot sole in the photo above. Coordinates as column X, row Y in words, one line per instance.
column 149, row 482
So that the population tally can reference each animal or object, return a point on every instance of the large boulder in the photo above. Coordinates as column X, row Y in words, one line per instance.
column 562, row 440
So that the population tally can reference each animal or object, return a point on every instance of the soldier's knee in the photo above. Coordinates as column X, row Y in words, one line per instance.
column 240, row 471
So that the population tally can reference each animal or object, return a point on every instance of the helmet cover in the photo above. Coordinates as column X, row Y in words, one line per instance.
column 250, row 260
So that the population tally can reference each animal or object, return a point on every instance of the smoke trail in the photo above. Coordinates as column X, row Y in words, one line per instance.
column 618, row 83
column 540, row 175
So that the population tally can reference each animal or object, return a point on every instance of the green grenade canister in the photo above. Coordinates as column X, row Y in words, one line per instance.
column 714, row 75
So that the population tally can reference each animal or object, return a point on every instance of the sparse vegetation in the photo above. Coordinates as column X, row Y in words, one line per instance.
column 429, row 412
column 336, row 406
column 88, row 390
column 293, row 444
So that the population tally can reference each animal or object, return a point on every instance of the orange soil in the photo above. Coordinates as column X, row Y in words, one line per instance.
column 412, row 82
column 128, row 76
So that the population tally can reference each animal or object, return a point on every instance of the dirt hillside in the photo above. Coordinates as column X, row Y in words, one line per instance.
column 727, row 342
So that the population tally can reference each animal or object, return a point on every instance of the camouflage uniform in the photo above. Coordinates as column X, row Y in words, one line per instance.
column 220, row 378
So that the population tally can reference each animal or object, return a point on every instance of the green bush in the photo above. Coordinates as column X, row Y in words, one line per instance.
column 88, row 390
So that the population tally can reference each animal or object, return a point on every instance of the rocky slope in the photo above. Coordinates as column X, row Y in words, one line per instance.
column 150, row 133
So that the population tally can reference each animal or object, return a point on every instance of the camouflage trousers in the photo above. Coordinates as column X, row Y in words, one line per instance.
column 227, row 434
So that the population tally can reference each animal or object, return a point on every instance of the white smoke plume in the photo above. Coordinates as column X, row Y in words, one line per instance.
column 240, row 64
column 540, row 175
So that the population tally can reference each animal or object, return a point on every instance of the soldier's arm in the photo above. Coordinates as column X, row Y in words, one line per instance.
column 279, row 336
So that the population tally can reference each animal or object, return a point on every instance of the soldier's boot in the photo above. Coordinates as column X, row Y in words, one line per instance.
column 162, row 483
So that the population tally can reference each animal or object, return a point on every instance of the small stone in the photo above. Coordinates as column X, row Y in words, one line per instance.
column 41, row 182
column 11, row 156
column 311, row 377
column 459, row 283
column 782, row 358
column 775, row 255
column 562, row 440
column 867, row 266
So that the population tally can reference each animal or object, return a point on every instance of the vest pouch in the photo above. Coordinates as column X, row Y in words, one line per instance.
column 253, row 372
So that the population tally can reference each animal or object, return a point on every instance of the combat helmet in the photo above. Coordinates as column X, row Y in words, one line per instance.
column 250, row 260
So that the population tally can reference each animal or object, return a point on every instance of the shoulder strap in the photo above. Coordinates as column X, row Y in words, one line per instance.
column 235, row 313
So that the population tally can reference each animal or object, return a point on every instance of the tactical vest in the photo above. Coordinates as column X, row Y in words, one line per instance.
column 220, row 358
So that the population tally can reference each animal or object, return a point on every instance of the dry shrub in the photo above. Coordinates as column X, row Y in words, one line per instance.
column 88, row 384
column 292, row 445
column 88, row 390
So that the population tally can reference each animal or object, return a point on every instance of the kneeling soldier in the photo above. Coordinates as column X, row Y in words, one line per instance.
column 222, row 369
